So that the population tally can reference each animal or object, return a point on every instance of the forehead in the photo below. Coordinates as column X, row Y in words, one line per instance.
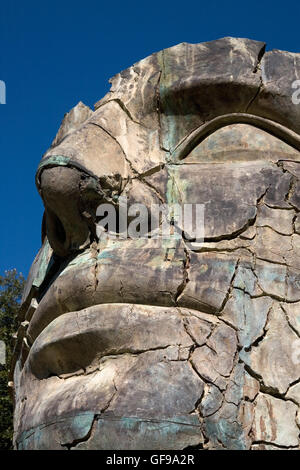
column 181, row 88
column 155, row 107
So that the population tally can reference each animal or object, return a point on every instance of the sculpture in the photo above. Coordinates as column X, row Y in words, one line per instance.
column 126, row 344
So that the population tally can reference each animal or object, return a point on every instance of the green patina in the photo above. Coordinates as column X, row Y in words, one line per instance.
column 107, row 254
column 82, row 258
column 230, row 434
column 45, row 263
column 228, row 430
column 169, row 124
column 175, row 188
column 71, row 428
column 54, row 160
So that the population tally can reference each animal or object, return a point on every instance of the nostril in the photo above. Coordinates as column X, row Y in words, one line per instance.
column 59, row 230
column 54, row 225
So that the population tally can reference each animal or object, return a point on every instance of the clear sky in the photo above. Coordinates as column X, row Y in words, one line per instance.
column 56, row 53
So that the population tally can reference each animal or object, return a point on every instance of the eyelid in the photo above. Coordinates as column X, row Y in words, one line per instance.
column 198, row 135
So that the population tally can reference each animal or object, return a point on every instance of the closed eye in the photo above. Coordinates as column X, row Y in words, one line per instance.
column 236, row 132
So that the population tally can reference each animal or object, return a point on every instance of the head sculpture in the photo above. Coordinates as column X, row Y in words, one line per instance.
column 133, row 344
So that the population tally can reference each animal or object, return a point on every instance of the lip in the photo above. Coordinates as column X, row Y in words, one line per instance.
column 96, row 289
column 76, row 341
column 104, row 278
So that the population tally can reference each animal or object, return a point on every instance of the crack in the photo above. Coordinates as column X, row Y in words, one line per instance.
column 198, row 402
column 203, row 306
column 185, row 326
column 136, row 352
column 207, row 381
column 227, row 322
column 232, row 235
column 153, row 170
column 266, row 294
column 151, row 187
column 121, row 290
column 113, row 355
column 238, row 232
column 279, row 207
column 293, row 223
column 207, row 249
column 195, row 447
column 291, row 190
column 187, row 330
column 220, row 443
column 274, row 230
column 258, row 91
column 251, row 372
column 125, row 109
column 273, row 296
column 288, row 321
column 259, row 59
column 120, row 146
column 111, row 398
column 95, row 251
column 230, row 288
column 85, row 438
column 159, row 107
column 258, row 340
column 182, row 286
column 271, row 261
column 273, row 444
column 293, row 383
column 292, row 184
column 273, row 392
column 268, row 390
column 257, row 68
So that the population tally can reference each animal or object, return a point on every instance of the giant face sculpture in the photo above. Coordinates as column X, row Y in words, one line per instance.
column 130, row 344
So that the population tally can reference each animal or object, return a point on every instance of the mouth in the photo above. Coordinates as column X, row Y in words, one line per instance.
column 75, row 342
column 100, row 304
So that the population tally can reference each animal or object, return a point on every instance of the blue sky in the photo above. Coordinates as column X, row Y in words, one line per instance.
column 54, row 54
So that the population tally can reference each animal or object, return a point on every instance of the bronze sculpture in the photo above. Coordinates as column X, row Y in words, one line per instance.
column 124, row 344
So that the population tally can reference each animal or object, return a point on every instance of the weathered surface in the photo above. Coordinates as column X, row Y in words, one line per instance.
column 143, row 343
column 72, row 121
column 275, row 421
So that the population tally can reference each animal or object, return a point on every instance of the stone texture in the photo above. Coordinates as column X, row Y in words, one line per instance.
column 278, row 219
column 214, row 361
column 72, row 121
column 251, row 387
column 294, row 393
column 210, row 277
column 275, row 421
column 248, row 316
column 274, row 66
column 272, row 359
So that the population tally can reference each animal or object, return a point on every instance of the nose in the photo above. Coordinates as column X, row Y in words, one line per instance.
column 79, row 171
column 67, row 227
column 71, row 197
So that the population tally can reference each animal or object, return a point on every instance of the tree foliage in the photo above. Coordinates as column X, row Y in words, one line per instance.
column 11, row 287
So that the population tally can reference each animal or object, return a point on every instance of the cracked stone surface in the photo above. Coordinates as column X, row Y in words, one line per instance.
column 274, row 421
column 142, row 343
